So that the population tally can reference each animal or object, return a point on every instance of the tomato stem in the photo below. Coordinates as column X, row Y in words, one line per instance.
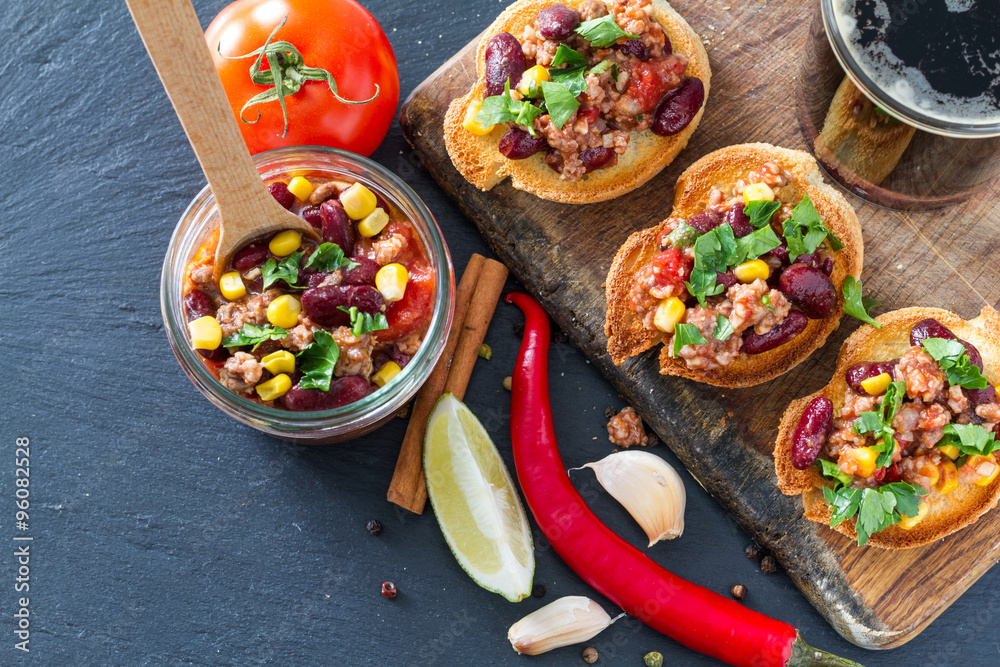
column 284, row 76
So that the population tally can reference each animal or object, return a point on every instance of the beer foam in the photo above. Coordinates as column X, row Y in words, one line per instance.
column 867, row 25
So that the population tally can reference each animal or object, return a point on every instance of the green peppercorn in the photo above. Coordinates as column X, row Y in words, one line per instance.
column 653, row 659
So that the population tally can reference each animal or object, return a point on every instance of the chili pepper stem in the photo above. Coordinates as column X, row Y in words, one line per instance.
column 804, row 655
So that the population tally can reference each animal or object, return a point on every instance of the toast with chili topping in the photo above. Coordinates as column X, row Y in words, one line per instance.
column 946, row 512
column 720, row 170
column 478, row 159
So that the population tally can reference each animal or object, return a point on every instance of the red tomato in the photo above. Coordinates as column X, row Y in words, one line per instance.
column 412, row 312
column 339, row 36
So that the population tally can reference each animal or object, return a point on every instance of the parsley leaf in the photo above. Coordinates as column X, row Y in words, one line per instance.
column 723, row 327
column 971, row 439
column 686, row 334
column 362, row 322
column 713, row 252
column 318, row 360
column 760, row 211
column 854, row 304
column 560, row 102
column 604, row 66
column 844, row 503
column 602, row 32
column 880, row 423
column 252, row 334
column 876, row 509
column 328, row 257
column 286, row 269
column 833, row 471
column 954, row 360
column 505, row 109
column 804, row 216
column 564, row 54
column 756, row 244
column 571, row 78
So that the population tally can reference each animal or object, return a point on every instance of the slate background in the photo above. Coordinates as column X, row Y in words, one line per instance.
column 167, row 533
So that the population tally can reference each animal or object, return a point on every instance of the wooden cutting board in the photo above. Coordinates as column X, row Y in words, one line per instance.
column 561, row 253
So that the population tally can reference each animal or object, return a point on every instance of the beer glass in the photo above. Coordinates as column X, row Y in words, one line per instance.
column 899, row 100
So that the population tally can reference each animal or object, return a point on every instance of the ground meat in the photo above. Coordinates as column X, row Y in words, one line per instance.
column 749, row 309
column 714, row 353
column 989, row 411
column 957, row 402
column 906, row 419
column 387, row 248
column 923, row 470
column 933, row 416
column 969, row 475
column 355, row 353
column 241, row 372
column 634, row 17
column 203, row 273
column 327, row 190
column 410, row 344
column 771, row 174
column 253, row 309
column 333, row 279
column 924, row 378
column 301, row 335
column 625, row 429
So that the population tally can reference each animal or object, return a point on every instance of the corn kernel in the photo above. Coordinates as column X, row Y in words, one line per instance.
column 231, row 285
column 284, row 311
column 931, row 471
column 986, row 466
column 301, row 188
column 281, row 361
column 532, row 77
column 391, row 281
column 951, row 451
column 206, row 334
column 471, row 124
column 668, row 313
column 373, row 223
column 274, row 388
column 757, row 192
column 858, row 461
column 909, row 522
column 358, row 201
column 285, row 243
column 747, row 272
column 948, row 481
column 385, row 374
column 876, row 386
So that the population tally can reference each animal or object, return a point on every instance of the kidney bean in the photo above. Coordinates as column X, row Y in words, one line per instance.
column 504, row 62
column 311, row 215
column 197, row 304
column 314, row 279
column 400, row 358
column 557, row 22
column 518, row 144
column 218, row 354
column 738, row 220
column 858, row 373
column 810, row 289
column 281, row 194
column 931, row 328
column 382, row 203
column 781, row 252
column 362, row 274
column 636, row 49
column 343, row 391
column 810, row 435
column 790, row 327
column 727, row 279
column 979, row 397
column 337, row 227
column 678, row 108
column 322, row 304
column 380, row 358
column 254, row 285
column 598, row 158
column 249, row 257
column 705, row 221
column 554, row 159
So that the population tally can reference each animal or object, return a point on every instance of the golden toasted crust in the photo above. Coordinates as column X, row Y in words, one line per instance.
column 626, row 335
column 946, row 513
column 479, row 161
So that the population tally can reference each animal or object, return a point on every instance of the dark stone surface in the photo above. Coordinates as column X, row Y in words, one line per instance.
column 165, row 532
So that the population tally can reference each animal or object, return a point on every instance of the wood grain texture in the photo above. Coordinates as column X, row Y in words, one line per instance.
column 874, row 598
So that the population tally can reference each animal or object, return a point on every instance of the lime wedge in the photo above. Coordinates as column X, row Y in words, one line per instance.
column 475, row 502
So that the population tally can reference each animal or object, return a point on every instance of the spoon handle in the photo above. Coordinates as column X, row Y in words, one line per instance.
column 176, row 44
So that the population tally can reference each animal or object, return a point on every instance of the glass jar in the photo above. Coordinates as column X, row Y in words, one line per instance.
column 345, row 422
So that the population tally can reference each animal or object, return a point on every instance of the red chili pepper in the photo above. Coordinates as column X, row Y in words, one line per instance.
column 694, row 616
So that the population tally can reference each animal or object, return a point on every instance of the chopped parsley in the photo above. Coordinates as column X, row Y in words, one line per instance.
column 252, row 334
column 766, row 300
column 954, row 360
column 970, row 439
column 505, row 109
column 879, row 423
column 329, row 257
column 723, row 327
column 566, row 55
column 602, row 32
column 833, row 471
column 754, row 245
column 686, row 334
column 876, row 509
column 804, row 217
column 760, row 211
column 362, row 322
column 604, row 66
column 571, row 78
column 856, row 305
column 560, row 102
column 718, row 250
column 287, row 269
column 318, row 360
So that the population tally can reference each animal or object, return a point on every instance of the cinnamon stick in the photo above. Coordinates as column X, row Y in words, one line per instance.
column 408, row 488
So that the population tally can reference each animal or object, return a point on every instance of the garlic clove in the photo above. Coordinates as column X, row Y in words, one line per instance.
column 648, row 487
column 569, row 620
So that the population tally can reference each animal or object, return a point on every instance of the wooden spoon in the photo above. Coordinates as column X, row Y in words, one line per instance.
column 176, row 44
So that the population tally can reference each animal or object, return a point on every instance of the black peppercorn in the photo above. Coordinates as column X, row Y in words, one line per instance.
column 374, row 527
column 753, row 552
column 739, row 591
column 768, row 565
column 538, row 591
column 388, row 590
column 610, row 412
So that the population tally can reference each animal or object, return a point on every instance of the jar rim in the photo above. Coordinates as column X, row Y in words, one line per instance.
column 197, row 220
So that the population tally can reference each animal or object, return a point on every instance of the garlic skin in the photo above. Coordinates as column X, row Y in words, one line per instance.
column 569, row 620
column 648, row 487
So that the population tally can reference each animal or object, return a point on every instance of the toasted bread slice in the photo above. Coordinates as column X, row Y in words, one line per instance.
column 480, row 162
column 947, row 513
column 626, row 335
